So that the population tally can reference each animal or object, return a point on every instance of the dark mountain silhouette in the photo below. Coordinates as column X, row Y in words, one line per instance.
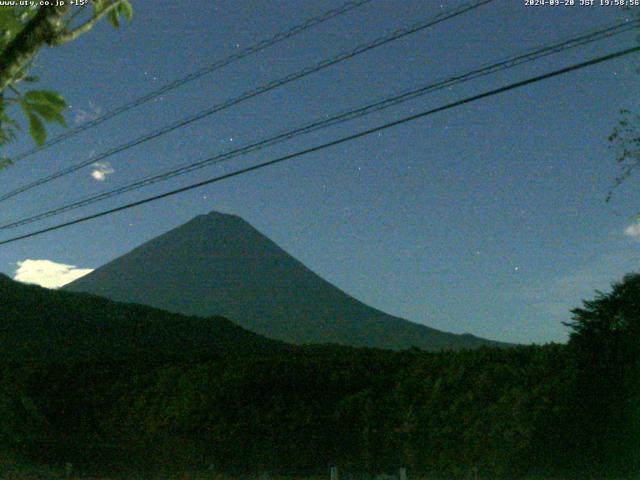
column 41, row 324
column 218, row 264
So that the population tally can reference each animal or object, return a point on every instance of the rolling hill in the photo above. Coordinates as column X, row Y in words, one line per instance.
column 36, row 323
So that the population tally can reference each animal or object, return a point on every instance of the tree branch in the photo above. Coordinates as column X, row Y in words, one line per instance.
column 75, row 14
column 69, row 35
column 41, row 30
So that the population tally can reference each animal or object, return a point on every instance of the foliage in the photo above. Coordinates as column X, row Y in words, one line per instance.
column 605, row 341
column 625, row 137
column 22, row 35
column 625, row 141
column 531, row 411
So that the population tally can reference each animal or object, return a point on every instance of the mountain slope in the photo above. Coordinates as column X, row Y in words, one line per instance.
column 218, row 264
column 36, row 323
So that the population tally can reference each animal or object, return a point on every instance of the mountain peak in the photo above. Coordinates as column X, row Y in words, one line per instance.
column 215, row 214
column 216, row 217
column 218, row 264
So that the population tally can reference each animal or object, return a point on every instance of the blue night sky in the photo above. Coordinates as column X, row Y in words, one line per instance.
column 488, row 218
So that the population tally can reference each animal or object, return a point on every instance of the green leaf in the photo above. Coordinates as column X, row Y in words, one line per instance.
column 5, row 162
column 114, row 18
column 99, row 6
column 5, row 120
column 36, row 129
column 9, row 23
column 39, row 105
column 27, row 13
column 49, row 113
column 26, row 106
column 46, row 97
column 126, row 9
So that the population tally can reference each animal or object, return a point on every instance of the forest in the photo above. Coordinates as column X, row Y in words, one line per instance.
column 558, row 410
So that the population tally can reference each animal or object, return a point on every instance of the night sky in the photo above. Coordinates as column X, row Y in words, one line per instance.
column 489, row 218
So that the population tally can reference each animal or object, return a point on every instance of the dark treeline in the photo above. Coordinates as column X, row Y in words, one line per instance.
column 570, row 411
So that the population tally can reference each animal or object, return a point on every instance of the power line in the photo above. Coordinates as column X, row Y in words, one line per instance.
column 339, row 141
column 510, row 62
column 255, row 48
column 395, row 35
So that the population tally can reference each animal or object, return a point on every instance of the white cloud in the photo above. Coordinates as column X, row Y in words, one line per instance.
column 48, row 274
column 633, row 231
column 93, row 112
column 101, row 170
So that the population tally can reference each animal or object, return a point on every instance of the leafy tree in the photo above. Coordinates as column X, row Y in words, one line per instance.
column 605, row 340
column 625, row 139
column 610, row 320
column 24, row 31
